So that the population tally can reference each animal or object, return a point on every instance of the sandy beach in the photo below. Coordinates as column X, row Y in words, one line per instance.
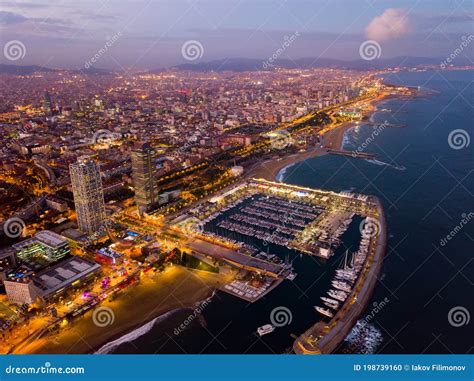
column 173, row 289
column 156, row 294
column 269, row 169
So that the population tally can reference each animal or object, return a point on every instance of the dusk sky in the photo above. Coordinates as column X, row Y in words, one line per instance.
column 148, row 34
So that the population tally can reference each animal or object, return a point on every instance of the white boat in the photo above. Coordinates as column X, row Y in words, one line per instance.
column 343, row 286
column 339, row 295
column 324, row 311
column 265, row 329
column 330, row 301
column 331, row 305
column 291, row 276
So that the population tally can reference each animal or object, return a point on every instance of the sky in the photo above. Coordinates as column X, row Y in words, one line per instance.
column 149, row 34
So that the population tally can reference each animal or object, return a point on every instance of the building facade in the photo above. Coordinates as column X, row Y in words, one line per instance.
column 144, row 174
column 88, row 195
column 44, row 248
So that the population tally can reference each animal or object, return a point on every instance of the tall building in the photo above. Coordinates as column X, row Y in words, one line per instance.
column 144, row 175
column 88, row 195
column 47, row 103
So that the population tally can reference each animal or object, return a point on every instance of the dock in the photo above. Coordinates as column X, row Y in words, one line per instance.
column 362, row 155
column 324, row 338
column 236, row 258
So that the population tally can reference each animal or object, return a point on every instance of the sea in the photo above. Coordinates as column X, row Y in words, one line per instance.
column 424, row 175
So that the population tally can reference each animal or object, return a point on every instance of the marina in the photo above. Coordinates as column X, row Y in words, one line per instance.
column 358, row 276
column 245, row 225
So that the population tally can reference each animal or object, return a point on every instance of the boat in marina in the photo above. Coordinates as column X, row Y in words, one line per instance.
column 265, row 329
column 324, row 311
column 331, row 303
column 337, row 294
column 341, row 286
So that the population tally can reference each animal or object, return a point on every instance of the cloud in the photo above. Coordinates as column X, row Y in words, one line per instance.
column 392, row 23
column 23, row 5
column 8, row 18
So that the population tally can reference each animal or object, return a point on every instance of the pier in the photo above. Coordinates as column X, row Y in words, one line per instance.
column 362, row 155
column 235, row 258
column 323, row 338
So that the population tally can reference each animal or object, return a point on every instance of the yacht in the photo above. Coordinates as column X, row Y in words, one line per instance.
column 343, row 286
column 330, row 301
column 265, row 329
column 339, row 295
column 324, row 311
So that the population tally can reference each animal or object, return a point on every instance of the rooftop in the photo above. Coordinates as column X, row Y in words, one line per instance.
column 46, row 237
column 64, row 274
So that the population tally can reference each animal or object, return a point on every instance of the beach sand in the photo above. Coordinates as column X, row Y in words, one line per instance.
column 155, row 295
column 333, row 139
column 269, row 169
column 175, row 288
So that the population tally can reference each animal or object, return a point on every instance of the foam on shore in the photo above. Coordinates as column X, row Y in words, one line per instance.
column 135, row 334
column 281, row 174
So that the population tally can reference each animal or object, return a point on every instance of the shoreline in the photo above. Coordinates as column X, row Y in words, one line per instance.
column 73, row 339
column 179, row 289
column 271, row 169
column 332, row 334
column 275, row 169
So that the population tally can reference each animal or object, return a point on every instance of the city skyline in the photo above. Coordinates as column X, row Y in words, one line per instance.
column 151, row 35
column 236, row 177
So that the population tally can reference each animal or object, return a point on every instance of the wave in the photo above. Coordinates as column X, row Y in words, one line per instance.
column 135, row 334
column 144, row 329
column 346, row 140
column 382, row 163
column 347, row 137
column 372, row 117
column 364, row 338
column 281, row 174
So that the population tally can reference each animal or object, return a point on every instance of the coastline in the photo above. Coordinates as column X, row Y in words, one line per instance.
column 332, row 334
column 175, row 289
column 83, row 336
column 276, row 169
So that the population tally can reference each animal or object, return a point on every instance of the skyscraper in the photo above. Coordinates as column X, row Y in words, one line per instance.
column 88, row 195
column 47, row 103
column 144, row 176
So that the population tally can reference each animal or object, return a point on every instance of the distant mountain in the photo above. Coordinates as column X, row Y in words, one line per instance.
column 26, row 70
column 22, row 70
column 255, row 64
column 92, row 71
column 249, row 64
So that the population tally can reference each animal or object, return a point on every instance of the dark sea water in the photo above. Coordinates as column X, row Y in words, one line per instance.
column 426, row 187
